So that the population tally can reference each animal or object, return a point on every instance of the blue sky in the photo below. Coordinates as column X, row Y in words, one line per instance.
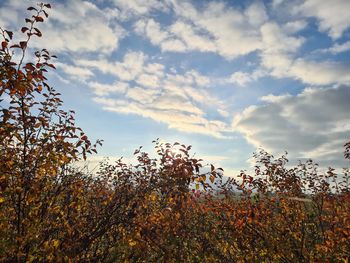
column 226, row 77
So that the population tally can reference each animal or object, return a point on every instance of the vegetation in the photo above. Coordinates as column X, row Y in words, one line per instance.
column 167, row 209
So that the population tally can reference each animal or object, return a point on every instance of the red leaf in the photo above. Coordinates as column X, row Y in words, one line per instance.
column 39, row 19
column 29, row 66
column 4, row 45
column 38, row 32
column 23, row 44
column 24, row 29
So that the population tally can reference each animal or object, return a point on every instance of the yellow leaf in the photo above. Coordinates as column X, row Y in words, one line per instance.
column 212, row 178
column 55, row 243
column 132, row 242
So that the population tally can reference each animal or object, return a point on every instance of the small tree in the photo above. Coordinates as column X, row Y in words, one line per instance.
column 37, row 141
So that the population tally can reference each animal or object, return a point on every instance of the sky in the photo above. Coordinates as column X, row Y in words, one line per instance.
column 227, row 77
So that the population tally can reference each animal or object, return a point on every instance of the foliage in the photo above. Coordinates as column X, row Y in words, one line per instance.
column 170, row 208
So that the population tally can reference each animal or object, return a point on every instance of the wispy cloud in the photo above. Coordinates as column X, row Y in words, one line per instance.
column 182, row 101
column 337, row 48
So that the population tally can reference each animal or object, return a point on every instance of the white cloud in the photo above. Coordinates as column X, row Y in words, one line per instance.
column 78, row 73
column 107, row 89
column 333, row 16
column 196, row 29
column 243, row 78
column 80, row 26
column 215, row 28
column 179, row 37
column 278, row 56
column 240, row 78
column 148, row 80
column 142, row 95
column 193, row 41
column 256, row 13
column 174, row 115
column 295, row 26
column 338, row 48
column 155, row 68
column 276, row 3
column 152, row 30
column 128, row 9
column 181, row 101
column 249, row 30
column 73, row 26
column 235, row 36
column 313, row 124
column 126, row 70
column 320, row 73
column 275, row 40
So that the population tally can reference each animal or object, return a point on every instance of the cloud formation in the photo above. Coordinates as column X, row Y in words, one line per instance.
column 181, row 101
column 313, row 124
column 73, row 26
column 279, row 56
column 196, row 29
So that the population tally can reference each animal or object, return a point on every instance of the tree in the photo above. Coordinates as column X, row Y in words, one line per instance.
column 38, row 140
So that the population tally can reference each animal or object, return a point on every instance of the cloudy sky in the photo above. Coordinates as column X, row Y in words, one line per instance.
column 226, row 77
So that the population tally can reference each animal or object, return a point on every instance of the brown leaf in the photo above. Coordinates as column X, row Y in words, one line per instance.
column 38, row 32
column 23, row 44
column 4, row 45
column 9, row 33
column 15, row 46
column 39, row 19
column 24, row 29
column 212, row 178
column 45, row 13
